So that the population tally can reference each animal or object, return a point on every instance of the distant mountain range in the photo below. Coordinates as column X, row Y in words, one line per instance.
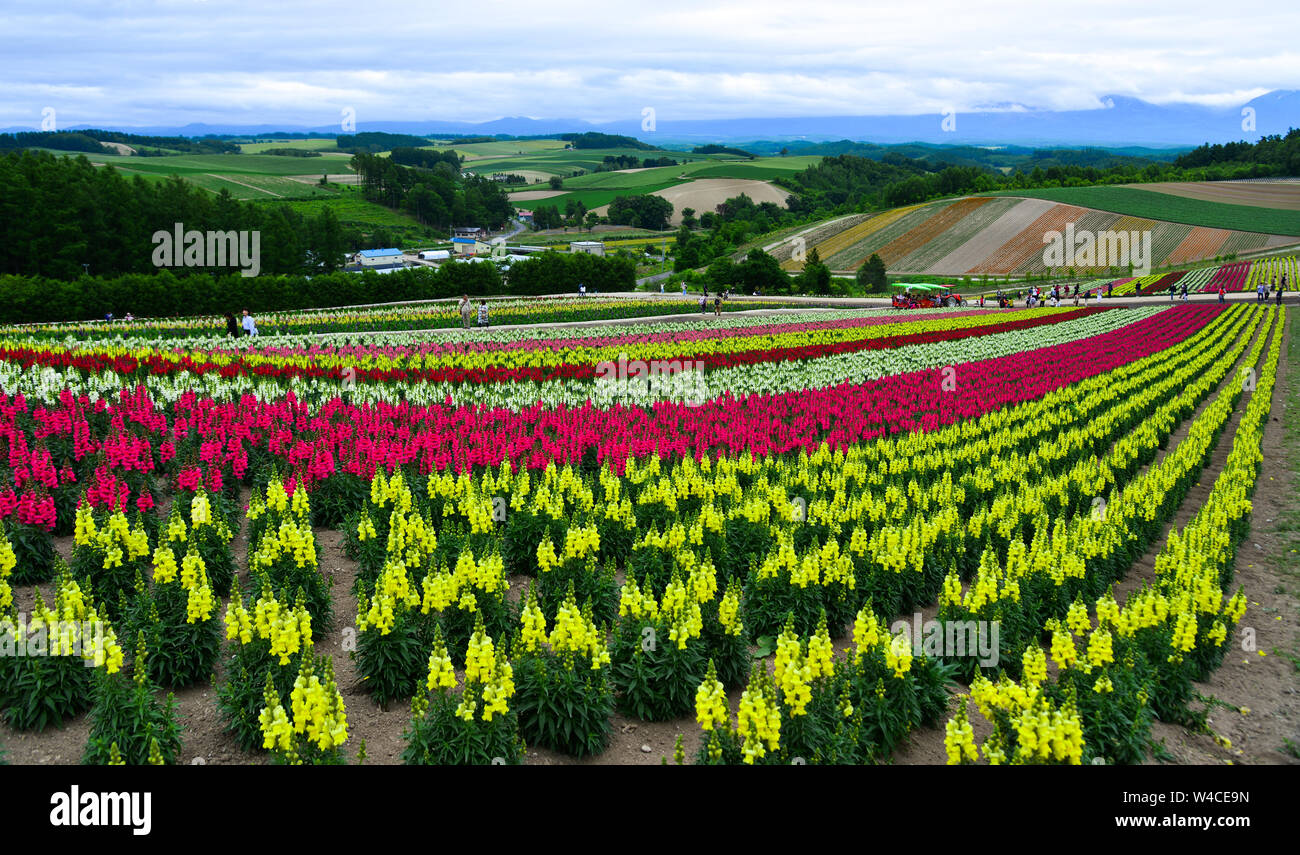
column 1123, row 122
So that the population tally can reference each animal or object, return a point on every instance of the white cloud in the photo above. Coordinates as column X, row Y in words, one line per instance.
column 298, row 62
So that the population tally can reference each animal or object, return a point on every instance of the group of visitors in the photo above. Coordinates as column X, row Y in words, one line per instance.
column 1054, row 298
column 245, row 326
column 1264, row 290
column 467, row 312
column 717, row 304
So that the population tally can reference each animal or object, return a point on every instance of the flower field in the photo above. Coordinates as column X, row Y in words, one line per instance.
column 1000, row 235
column 391, row 318
column 471, row 546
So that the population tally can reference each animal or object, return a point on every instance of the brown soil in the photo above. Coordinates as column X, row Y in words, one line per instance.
column 1260, row 194
column 705, row 194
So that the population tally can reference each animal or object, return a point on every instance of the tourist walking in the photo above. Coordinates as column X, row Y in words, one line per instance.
column 249, row 325
column 232, row 328
column 717, row 306
column 466, row 311
column 482, row 313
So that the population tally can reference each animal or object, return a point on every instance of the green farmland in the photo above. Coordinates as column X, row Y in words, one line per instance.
column 1164, row 206
column 321, row 145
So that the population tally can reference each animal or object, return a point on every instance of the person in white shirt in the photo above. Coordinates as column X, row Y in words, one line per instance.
column 250, row 326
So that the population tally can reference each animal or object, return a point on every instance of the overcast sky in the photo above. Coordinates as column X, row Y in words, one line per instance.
column 288, row 62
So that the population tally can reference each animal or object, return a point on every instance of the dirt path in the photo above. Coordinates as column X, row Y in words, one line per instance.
column 1266, row 685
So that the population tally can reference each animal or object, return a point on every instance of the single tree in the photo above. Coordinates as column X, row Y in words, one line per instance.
column 871, row 275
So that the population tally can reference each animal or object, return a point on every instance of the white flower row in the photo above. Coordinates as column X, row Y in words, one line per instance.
column 47, row 383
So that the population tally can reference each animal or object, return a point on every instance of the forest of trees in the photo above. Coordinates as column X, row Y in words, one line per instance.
column 714, row 148
column 424, row 158
column 437, row 197
column 374, row 141
column 1272, row 155
column 850, row 182
column 58, row 213
column 614, row 162
column 592, row 139
column 89, row 141
column 641, row 212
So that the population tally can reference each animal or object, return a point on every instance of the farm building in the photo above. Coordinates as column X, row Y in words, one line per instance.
column 591, row 247
column 475, row 232
column 435, row 254
column 380, row 257
column 469, row 246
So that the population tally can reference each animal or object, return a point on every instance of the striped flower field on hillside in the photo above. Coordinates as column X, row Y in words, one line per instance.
column 520, row 526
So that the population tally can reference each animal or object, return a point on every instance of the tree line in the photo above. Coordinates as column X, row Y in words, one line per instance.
column 89, row 141
column 437, row 197
column 62, row 217
column 164, row 293
column 847, row 183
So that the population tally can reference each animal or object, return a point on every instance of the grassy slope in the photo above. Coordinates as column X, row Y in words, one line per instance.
column 321, row 145
column 1164, row 206
column 229, row 164
column 351, row 209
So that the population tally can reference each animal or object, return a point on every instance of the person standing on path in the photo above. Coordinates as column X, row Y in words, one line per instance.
column 1221, row 292
column 717, row 306
column 582, row 290
column 466, row 311
column 1279, row 296
column 483, row 313
column 232, row 328
column 250, row 326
